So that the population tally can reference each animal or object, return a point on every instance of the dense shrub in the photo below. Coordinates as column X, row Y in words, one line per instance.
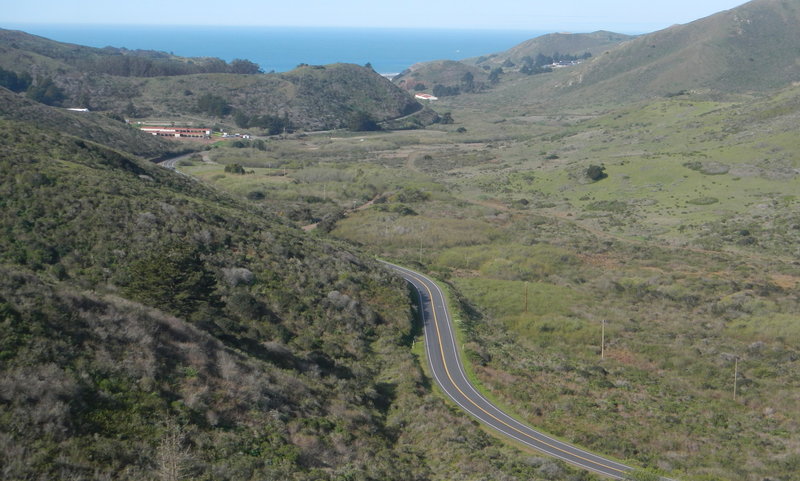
column 234, row 169
column 596, row 172
column 152, row 328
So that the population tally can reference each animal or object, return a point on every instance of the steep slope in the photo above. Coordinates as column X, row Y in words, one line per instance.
column 153, row 328
column 80, row 218
column 749, row 48
column 88, row 125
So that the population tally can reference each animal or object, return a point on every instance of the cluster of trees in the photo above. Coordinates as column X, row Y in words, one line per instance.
column 235, row 169
column 440, row 90
column 361, row 121
column 213, row 105
column 467, row 84
column 541, row 63
column 494, row 75
column 257, row 144
column 272, row 124
column 14, row 81
column 44, row 90
column 217, row 106
column 140, row 66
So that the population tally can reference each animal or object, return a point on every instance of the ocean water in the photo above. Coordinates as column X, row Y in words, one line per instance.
column 283, row 48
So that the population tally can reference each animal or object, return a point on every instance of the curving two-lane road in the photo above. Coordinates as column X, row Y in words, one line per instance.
column 449, row 374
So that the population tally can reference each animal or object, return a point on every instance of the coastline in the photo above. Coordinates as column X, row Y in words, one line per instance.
column 281, row 49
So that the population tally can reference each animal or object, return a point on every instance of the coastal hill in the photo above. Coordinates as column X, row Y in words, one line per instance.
column 749, row 48
column 40, row 55
column 480, row 73
column 139, row 84
column 554, row 44
column 448, row 73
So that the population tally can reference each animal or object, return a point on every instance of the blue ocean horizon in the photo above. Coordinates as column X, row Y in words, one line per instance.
column 279, row 49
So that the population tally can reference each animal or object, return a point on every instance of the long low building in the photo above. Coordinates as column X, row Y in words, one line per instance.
column 178, row 132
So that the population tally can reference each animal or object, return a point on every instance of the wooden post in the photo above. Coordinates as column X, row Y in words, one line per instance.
column 603, row 340
column 526, row 297
column 735, row 376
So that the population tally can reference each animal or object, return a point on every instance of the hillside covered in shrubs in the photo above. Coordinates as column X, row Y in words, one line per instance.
column 153, row 328
column 145, row 84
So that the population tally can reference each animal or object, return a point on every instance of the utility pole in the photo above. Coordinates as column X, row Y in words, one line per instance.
column 526, row 297
column 735, row 375
column 603, row 340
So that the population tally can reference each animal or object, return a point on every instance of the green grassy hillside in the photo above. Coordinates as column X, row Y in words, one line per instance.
column 473, row 75
column 749, row 48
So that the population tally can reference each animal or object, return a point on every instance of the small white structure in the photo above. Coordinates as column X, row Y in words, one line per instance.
column 178, row 132
column 425, row 97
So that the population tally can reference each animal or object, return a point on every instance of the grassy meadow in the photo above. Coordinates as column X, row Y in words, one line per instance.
column 686, row 248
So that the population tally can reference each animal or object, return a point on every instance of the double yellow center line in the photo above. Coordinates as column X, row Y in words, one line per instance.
column 513, row 428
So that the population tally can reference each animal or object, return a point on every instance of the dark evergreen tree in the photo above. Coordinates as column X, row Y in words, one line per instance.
column 240, row 66
column 13, row 81
column 596, row 172
column 361, row 121
column 445, row 91
column 47, row 92
column 494, row 75
column 468, row 82
column 213, row 105
column 174, row 279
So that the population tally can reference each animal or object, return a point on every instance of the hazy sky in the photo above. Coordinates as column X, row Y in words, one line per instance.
column 576, row 15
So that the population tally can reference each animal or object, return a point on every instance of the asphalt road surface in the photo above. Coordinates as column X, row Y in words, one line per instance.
column 172, row 163
column 448, row 372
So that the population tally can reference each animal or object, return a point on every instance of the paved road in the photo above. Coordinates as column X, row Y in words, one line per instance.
column 172, row 163
column 449, row 374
